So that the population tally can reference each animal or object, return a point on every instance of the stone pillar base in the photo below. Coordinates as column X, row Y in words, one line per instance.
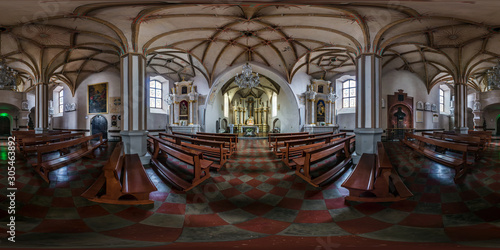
column 366, row 141
column 135, row 142
column 463, row 130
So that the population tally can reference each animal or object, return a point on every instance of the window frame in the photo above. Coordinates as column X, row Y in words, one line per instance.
column 441, row 101
column 349, row 91
column 155, row 88
column 61, row 101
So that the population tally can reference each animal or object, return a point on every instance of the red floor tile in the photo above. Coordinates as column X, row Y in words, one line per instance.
column 336, row 203
column 423, row 220
column 222, row 206
column 230, row 192
column 469, row 195
column 430, row 197
column 91, row 211
column 134, row 214
column 489, row 214
column 290, row 203
column 369, row 208
column 473, row 233
column 363, row 225
column 203, row 220
column 405, row 205
column 258, row 208
column 255, row 194
column 314, row 216
column 172, row 208
column 143, row 232
column 313, row 195
column 63, row 202
column 264, row 225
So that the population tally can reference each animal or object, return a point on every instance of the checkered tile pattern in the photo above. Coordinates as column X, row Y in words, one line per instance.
column 255, row 196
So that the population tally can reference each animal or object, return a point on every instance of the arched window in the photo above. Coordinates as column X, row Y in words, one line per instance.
column 61, row 101
column 155, row 94
column 274, row 105
column 349, row 94
column 441, row 100
column 226, row 105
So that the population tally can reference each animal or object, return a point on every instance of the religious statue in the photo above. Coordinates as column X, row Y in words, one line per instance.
column 250, row 121
column 400, row 115
column 477, row 105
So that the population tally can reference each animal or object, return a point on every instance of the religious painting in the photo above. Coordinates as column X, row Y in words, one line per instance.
column 320, row 111
column 184, row 90
column 97, row 98
column 183, row 110
column 320, row 89
column 115, row 104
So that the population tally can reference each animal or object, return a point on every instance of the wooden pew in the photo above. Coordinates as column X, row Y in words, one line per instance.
column 475, row 144
column 312, row 168
column 484, row 135
column 428, row 146
column 279, row 142
column 29, row 144
column 123, row 180
column 212, row 150
column 371, row 179
column 294, row 148
column 87, row 148
column 270, row 136
column 229, row 142
column 20, row 135
column 234, row 136
column 183, row 178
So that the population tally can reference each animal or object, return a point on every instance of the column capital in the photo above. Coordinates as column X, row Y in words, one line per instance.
column 133, row 54
column 369, row 54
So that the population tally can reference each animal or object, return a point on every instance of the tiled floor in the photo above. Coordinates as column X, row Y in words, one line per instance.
column 256, row 200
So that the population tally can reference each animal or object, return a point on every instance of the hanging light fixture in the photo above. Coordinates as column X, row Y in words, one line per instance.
column 247, row 79
column 8, row 77
column 493, row 79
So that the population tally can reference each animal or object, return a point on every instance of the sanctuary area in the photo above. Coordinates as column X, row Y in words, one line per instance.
column 251, row 124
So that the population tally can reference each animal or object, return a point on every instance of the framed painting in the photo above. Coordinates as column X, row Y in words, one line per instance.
column 115, row 105
column 97, row 98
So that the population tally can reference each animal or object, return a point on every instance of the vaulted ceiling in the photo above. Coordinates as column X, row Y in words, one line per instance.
column 55, row 41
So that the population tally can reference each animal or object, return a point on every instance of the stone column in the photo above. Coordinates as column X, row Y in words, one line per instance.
column 41, row 107
column 368, row 131
column 134, row 119
column 461, row 108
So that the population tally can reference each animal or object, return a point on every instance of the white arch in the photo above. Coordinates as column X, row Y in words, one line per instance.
column 292, row 109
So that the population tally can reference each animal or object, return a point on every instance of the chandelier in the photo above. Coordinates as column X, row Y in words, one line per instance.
column 8, row 77
column 493, row 79
column 247, row 79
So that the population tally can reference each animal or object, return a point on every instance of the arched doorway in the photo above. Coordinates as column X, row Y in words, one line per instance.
column 99, row 124
column 4, row 125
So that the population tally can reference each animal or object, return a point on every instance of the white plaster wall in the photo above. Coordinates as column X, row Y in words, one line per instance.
column 213, row 113
column 80, row 119
column 287, row 113
column 415, row 87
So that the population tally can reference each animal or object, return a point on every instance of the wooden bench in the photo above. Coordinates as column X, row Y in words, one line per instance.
column 234, row 136
column 475, row 144
column 29, row 144
column 169, row 160
column 372, row 179
column 86, row 148
column 123, row 181
column 294, row 148
column 229, row 142
column 279, row 142
column 428, row 147
column 319, row 165
column 484, row 135
column 270, row 136
column 21, row 135
column 212, row 150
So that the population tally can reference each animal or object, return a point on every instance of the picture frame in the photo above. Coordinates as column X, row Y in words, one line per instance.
column 420, row 105
column 115, row 105
column 434, row 108
column 97, row 98
column 427, row 106
column 435, row 118
column 419, row 116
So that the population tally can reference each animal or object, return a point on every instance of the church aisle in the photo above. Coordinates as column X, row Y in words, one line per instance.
column 256, row 200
